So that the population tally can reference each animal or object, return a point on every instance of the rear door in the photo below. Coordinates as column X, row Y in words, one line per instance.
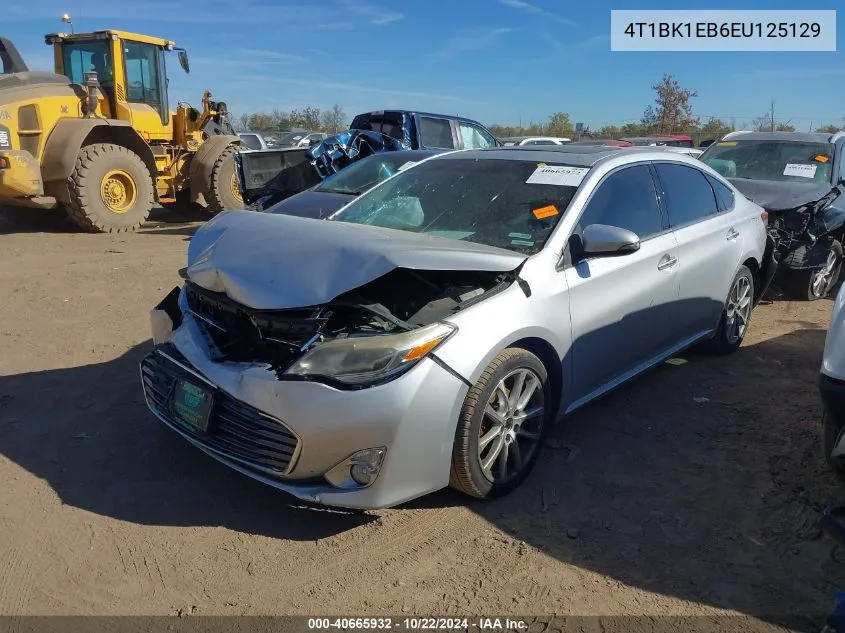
column 622, row 309
column 709, row 243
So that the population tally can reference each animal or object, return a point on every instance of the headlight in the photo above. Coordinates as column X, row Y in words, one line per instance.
column 359, row 360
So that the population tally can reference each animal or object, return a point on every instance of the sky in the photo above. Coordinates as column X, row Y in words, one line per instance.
column 509, row 62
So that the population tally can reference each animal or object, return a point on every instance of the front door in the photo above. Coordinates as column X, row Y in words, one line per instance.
column 622, row 308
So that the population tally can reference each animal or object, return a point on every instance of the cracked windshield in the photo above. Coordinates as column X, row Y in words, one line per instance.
column 488, row 202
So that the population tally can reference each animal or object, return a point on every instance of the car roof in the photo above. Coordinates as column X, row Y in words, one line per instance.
column 811, row 137
column 579, row 156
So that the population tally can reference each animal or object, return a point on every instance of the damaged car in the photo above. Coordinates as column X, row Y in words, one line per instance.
column 799, row 179
column 321, row 200
column 431, row 331
column 278, row 174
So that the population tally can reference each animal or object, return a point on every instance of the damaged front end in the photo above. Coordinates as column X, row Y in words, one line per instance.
column 804, row 234
column 364, row 337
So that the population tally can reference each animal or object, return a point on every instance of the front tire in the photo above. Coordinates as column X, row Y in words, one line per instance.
column 224, row 193
column 812, row 284
column 502, row 425
column 736, row 314
column 110, row 189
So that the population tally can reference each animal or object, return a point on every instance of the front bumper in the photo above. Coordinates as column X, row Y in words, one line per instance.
column 289, row 434
column 833, row 397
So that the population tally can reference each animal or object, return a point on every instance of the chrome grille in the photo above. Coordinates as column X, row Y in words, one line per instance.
column 236, row 429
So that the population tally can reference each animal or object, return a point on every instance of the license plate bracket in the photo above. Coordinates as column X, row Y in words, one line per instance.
column 192, row 404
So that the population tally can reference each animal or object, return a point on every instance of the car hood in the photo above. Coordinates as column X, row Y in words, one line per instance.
column 779, row 196
column 311, row 204
column 273, row 262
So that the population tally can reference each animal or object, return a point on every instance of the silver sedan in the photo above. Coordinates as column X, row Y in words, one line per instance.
column 432, row 331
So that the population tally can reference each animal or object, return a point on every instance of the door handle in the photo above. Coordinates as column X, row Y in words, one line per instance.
column 732, row 234
column 667, row 261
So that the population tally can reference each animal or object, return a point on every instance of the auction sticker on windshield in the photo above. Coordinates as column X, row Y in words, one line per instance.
column 558, row 175
column 804, row 171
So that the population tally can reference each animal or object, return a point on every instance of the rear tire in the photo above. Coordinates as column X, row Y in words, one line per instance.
column 223, row 191
column 468, row 473
column 812, row 284
column 736, row 314
column 110, row 189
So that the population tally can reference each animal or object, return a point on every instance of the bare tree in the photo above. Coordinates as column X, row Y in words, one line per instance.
column 242, row 122
column 334, row 119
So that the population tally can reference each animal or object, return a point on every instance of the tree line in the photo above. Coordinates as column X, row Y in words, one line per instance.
column 332, row 120
column 671, row 113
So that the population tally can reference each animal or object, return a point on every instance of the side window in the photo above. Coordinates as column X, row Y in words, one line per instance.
column 687, row 193
column 626, row 199
column 436, row 133
column 724, row 194
column 541, row 142
column 474, row 137
column 142, row 80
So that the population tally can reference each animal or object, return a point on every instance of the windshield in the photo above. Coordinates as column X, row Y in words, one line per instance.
column 784, row 161
column 290, row 138
column 365, row 174
column 505, row 203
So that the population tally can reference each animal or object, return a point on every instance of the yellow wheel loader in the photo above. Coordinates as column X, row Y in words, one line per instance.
column 99, row 138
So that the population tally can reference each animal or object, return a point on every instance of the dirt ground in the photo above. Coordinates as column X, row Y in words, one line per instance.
column 652, row 501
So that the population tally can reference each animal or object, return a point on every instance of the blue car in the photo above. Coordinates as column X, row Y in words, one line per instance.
column 321, row 200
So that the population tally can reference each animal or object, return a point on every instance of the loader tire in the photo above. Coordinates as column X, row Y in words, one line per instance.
column 223, row 191
column 110, row 189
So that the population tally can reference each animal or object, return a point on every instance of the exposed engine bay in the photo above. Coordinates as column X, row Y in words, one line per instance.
column 797, row 231
column 399, row 301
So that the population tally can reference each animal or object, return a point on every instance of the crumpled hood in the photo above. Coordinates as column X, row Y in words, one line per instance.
column 268, row 261
column 779, row 196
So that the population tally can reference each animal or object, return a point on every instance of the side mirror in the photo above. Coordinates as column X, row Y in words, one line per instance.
column 602, row 240
column 183, row 60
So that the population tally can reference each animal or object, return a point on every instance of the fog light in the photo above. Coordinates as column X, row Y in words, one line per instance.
column 359, row 470
column 366, row 465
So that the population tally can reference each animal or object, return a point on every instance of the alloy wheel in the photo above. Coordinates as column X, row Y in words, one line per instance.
column 820, row 284
column 512, row 426
column 738, row 309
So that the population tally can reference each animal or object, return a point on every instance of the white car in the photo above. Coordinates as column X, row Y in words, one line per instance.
column 832, row 388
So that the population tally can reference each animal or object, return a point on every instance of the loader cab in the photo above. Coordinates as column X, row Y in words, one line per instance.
column 131, row 72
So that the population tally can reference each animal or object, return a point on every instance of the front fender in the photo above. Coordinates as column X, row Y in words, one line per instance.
column 831, row 218
column 68, row 137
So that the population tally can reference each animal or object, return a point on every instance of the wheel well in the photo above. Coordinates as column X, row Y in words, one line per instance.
column 128, row 138
column 754, row 267
column 551, row 361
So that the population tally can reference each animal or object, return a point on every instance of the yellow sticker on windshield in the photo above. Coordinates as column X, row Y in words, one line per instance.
column 541, row 164
column 821, row 158
column 726, row 144
column 546, row 212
